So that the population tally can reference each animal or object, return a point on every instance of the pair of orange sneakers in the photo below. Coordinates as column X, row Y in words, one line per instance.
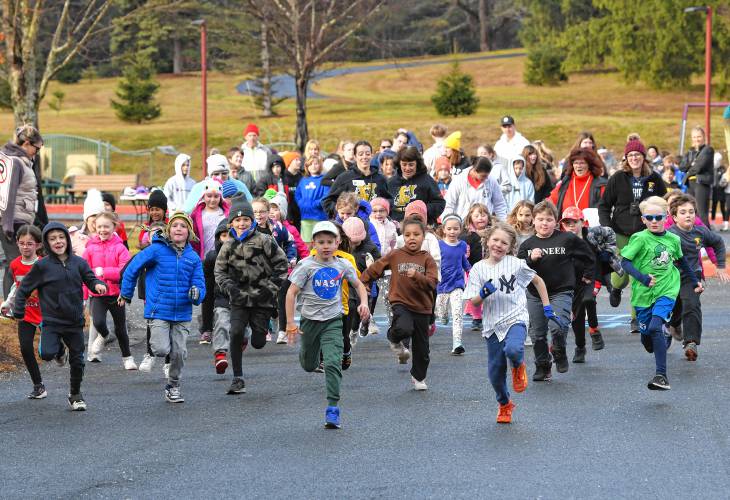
column 519, row 384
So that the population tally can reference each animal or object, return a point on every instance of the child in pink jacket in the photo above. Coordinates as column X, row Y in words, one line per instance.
column 106, row 254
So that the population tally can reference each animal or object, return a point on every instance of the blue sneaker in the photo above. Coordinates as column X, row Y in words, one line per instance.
column 332, row 418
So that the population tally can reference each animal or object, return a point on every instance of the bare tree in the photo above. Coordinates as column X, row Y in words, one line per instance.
column 266, row 69
column 479, row 15
column 309, row 32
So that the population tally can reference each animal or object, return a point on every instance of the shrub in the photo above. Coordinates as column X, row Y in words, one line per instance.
column 455, row 95
column 136, row 92
column 544, row 66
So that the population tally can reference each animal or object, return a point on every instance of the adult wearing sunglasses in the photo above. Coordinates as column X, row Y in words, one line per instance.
column 20, row 190
column 619, row 207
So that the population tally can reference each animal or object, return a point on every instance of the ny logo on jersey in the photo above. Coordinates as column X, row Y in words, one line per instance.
column 507, row 286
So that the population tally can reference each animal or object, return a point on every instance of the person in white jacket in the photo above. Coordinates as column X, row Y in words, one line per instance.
column 255, row 154
column 177, row 188
column 511, row 143
column 474, row 185
column 514, row 184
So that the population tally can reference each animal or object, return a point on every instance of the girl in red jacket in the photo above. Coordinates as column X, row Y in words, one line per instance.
column 29, row 242
column 107, row 255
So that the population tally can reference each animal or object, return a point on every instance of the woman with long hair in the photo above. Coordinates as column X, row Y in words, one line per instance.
column 537, row 172
column 582, row 185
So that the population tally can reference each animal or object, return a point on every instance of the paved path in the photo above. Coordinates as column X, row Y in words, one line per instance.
column 284, row 85
column 593, row 432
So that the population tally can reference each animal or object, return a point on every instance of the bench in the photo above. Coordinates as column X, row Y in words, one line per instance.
column 52, row 191
column 113, row 184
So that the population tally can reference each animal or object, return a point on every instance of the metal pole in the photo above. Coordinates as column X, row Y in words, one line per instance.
column 204, row 69
column 708, row 71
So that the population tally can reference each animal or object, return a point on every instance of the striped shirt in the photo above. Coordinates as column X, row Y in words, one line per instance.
column 508, row 304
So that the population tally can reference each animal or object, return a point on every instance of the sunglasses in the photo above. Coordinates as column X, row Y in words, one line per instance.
column 654, row 218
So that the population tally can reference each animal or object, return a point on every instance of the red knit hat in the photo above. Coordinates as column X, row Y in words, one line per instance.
column 381, row 202
column 417, row 208
column 635, row 145
column 442, row 163
column 251, row 128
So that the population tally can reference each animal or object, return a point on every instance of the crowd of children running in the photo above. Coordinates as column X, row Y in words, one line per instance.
column 516, row 240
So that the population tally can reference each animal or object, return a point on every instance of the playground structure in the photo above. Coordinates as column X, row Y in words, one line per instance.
column 683, row 126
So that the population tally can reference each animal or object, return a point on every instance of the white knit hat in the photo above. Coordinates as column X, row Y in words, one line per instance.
column 93, row 204
column 216, row 163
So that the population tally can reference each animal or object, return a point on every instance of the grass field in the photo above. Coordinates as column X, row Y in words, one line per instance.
column 372, row 106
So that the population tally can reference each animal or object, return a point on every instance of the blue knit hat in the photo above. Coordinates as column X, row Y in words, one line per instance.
column 228, row 189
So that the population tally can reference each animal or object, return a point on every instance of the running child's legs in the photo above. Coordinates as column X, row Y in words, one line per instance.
column 221, row 329
column 512, row 348
column 324, row 337
column 579, row 321
column 688, row 313
column 258, row 321
column 99, row 307
column 26, row 334
column 539, row 325
column 281, row 304
column 591, row 313
column 168, row 338
column 457, row 316
column 408, row 324
column 651, row 320
column 50, row 346
column 346, row 322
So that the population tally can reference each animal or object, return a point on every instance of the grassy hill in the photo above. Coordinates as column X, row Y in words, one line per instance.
column 372, row 105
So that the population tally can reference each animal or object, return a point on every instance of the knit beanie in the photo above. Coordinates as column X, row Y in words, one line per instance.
column 442, row 163
column 185, row 218
column 157, row 199
column 240, row 208
column 279, row 199
column 635, row 145
column 216, row 163
column 229, row 189
column 93, row 204
column 289, row 157
column 453, row 141
column 110, row 199
column 354, row 229
column 381, row 202
column 251, row 128
column 211, row 186
column 417, row 209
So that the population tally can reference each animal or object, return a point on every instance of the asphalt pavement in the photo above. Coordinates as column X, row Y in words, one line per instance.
column 594, row 432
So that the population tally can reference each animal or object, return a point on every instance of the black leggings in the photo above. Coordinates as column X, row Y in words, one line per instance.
column 26, row 335
column 281, row 299
column 701, row 192
column 241, row 317
column 718, row 198
column 583, row 306
column 99, row 307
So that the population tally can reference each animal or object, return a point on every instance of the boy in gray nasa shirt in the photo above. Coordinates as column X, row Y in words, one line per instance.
column 317, row 280
column 686, row 321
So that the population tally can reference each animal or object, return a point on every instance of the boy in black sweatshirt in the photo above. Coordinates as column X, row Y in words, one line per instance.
column 552, row 254
column 59, row 279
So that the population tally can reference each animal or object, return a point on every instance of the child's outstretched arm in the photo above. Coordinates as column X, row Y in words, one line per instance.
column 547, row 308
column 644, row 279
column 362, row 309
column 129, row 278
column 687, row 271
column 290, row 304
column 714, row 241
column 375, row 271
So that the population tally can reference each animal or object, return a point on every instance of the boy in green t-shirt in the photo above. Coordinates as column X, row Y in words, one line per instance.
column 649, row 258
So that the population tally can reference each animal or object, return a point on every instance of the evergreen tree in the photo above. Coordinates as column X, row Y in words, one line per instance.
column 455, row 95
column 136, row 91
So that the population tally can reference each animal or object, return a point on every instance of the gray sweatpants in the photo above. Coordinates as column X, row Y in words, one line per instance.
column 562, row 303
column 221, row 329
column 167, row 337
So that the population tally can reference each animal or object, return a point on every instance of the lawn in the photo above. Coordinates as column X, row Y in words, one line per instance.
column 372, row 106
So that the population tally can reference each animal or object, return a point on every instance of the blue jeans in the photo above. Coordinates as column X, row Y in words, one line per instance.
column 512, row 348
column 650, row 326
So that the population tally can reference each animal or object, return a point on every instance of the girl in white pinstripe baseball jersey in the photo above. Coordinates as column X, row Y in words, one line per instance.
column 498, row 283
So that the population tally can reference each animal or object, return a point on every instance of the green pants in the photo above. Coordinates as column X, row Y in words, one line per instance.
column 325, row 337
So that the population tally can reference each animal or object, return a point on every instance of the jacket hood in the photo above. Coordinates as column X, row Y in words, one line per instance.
column 275, row 159
column 511, row 169
column 179, row 160
column 12, row 149
column 51, row 226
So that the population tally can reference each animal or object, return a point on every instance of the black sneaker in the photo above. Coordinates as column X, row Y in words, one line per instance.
column 364, row 329
column 614, row 298
column 580, row 355
column 634, row 326
column 39, row 392
column 76, row 402
column 597, row 341
column 476, row 325
column 659, row 383
column 458, row 351
column 173, row 395
column 542, row 373
column 561, row 360
column 238, row 386
column 346, row 360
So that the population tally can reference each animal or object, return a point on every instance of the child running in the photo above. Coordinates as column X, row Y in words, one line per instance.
column 498, row 285
column 649, row 258
column 475, row 225
column 454, row 264
column 59, row 278
column 411, row 295
column 107, row 256
column 317, row 281
column 174, row 283
column 552, row 254
column 29, row 243
column 687, row 313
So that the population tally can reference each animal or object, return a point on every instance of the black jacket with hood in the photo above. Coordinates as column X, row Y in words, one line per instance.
column 618, row 197
column 419, row 187
column 699, row 163
column 59, row 284
column 367, row 188
column 267, row 180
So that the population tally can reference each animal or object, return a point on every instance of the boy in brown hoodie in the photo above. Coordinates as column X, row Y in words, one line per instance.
column 412, row 285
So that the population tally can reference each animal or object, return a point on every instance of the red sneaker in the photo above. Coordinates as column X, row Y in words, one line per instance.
column 505, row 413
column 519, row 378
column 432, row 329
column 221, row 363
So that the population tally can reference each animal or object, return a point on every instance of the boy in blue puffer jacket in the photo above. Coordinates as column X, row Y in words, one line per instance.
column 309, row 195
column 174, row 283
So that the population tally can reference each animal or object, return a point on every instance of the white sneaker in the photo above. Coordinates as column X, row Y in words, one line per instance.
column 725, row 226
column 353, row 337
column 404, row 356
column 96, row 358
column 129, row 363
column 419, row 386
column 97, row 345
column 373, row 328
column 166, row 370
column 281, row 338
column 148, row 362
column 528, row 341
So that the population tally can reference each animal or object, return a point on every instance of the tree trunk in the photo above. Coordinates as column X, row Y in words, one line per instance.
column 266, row 67
column 176, row 56
column 302, row 134
column 24, row 97
column 483, row 25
